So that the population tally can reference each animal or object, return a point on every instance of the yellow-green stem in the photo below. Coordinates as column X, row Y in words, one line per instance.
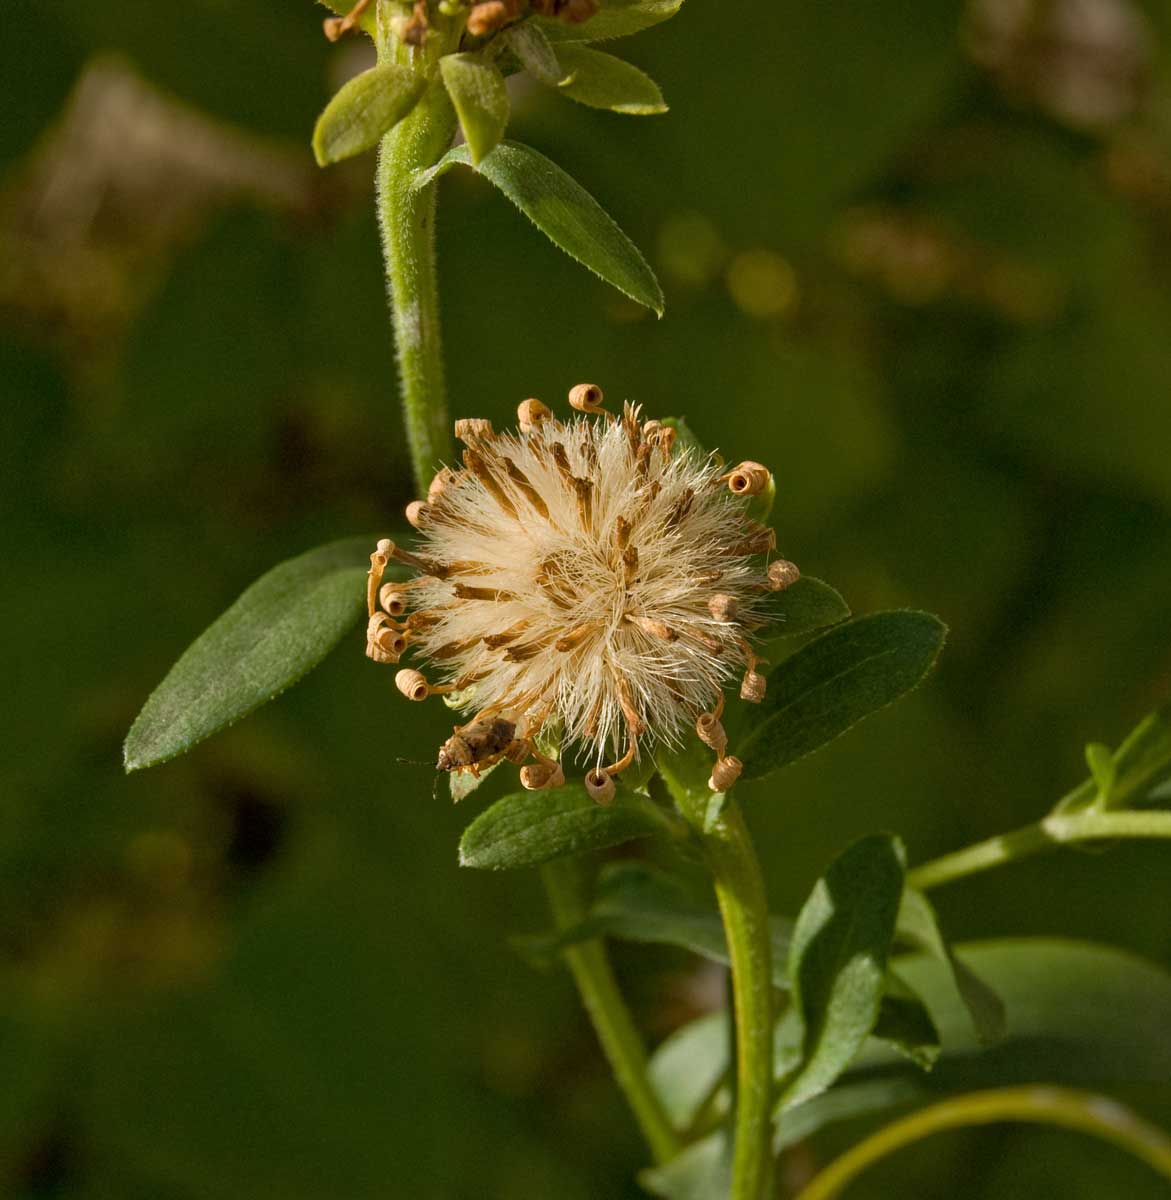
column 607, row 1010
column 1082, row 1111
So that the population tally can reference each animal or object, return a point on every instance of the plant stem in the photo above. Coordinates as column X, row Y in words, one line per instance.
column 607, row 1010
column 1096, row 1115
column 743, row 905
column 406, row 218
column 1056, row 830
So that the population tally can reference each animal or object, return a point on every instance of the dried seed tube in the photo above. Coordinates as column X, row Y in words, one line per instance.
column 782, row 574
column 473, row 430
column 412, row 684
column 531, row 414
column 723, row 607
column 599, row 787
column 587, row 398
column 711, row 732
column 748, row 479
column 419, row 514
column 392, row 599
column 725, row 773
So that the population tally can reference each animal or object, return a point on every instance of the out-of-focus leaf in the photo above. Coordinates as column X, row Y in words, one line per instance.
column 1101, row 764
column 685, row 437
column 480, row 95
column 845, row 675
column 1129, row 775
column 603, row 81
column 277, row 631
column 1079, row 1013
column 528, row 828
column 837, row 960
column 919, row 926
column 702, row 1172
column 689, row 1064
column 364, row 109
column 530, row 45
column 616, row 18
column 368, row 20
column 905, row 1024
column 566, row 213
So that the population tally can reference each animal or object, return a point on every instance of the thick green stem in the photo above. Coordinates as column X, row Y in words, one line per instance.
column 1058, row 829
column 406, row 217
column 611, row 1018
column 743, row 905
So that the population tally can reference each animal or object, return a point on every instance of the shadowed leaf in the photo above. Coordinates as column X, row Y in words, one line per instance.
column 363, row 110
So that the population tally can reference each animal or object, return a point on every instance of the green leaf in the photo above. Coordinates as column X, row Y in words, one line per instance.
column 919, row 927
column 1102, row 771
column 803, row 607
column 566, row 213
column 528, row 828
column 701, row 1172
column 275, row 633
column 603, row 81
column 480, row 95
column 617, row 18
column 462, row 784
column 1079, row 1013
column 905, row 1024
column 833, row 683
column 533, row 49
column 685, row 437
column 689, row 1064
column 363, row 110
column 641, row 903
column 837, row 961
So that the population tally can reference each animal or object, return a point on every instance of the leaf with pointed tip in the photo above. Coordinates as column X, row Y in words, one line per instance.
column 837, row 960
column 831, row 684
column 565, row 213
column 905, row 1024
column 480, row 96
column 617, row 18
column 363, row 110
column 276, row 632
column 529, row 828
column 602, row 81
column 803, row 607
column 702, row 1171
column 534, row 52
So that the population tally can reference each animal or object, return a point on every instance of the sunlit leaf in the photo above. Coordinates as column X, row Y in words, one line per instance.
column 364, row 109
column 837, row 960
column 480, row 95
column 528, row 828
column 843, row 676
column 566, row 213
column 276, row 632
column 603, row 81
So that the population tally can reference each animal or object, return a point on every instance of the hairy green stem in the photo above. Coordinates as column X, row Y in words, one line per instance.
column 1058, row 829
column 743, row 905
column 607, row 1010
column 1082, row 1111
column 406, row 218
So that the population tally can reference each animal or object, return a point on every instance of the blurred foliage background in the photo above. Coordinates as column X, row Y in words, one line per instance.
column 917, row 257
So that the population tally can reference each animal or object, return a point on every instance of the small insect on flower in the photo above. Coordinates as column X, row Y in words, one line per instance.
column 588, row 576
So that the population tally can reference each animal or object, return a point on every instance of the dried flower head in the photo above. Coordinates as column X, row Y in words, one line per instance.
column 587, row 576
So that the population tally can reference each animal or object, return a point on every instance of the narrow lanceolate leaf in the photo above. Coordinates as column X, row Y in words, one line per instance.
column 480, row 95
column 918, row 926
column 833, row 683
column 534, row 51
column 603, row 81
column 565, row 213
column 837, row 961
column 363, row 110
column 279, row 629
column 617, row 18
column 528, row 828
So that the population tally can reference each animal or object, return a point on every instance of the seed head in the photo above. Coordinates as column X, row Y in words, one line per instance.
column 585, row 574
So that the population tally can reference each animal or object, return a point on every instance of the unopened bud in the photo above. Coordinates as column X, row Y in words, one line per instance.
column 412, row 684
column 782, row 574
column 419, row 514
column 487, row 18
column 586, row 398
column 711, row 732
column 748, row 479
column 530, row 414
column 753, row 687
column 723, row 607
column 540, row 775
column 725, row 773
column 392, row 600
column 474, row 429
column 600, row 787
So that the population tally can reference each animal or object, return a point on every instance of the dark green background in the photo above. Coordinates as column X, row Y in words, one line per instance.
column 258, row 971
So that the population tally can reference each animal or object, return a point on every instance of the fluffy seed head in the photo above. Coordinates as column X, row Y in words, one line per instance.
column 589, row 576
